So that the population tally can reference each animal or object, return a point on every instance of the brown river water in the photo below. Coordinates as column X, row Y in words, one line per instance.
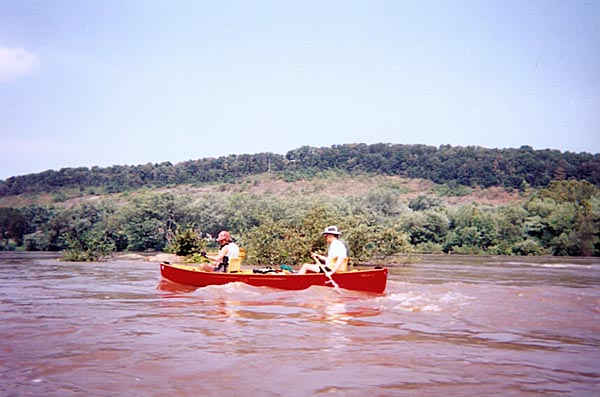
column 446, row 326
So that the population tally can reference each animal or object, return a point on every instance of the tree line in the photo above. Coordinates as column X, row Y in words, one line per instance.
column 561, row 219
column 466, row 166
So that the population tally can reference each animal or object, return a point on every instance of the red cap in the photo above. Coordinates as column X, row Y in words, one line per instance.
column 224, row 236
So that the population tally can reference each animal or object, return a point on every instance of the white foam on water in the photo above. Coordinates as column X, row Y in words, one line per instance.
column 428, row 302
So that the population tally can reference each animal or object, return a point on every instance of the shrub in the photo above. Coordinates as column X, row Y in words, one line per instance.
column 185, row 241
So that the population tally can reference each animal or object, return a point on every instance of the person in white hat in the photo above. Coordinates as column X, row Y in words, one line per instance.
column 336, row 259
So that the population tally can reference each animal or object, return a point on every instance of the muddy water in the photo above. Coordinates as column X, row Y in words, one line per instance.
column 446, row 326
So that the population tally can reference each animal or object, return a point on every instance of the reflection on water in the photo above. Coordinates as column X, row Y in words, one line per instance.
column 171, row 290
column 445, row 326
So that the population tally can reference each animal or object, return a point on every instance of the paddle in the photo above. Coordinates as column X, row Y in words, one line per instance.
column 331, row 280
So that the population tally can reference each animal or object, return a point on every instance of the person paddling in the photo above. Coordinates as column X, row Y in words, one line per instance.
column 229, row 250
column 336, row 259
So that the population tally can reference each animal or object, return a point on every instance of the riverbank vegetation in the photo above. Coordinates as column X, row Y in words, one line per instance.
column 280, row 222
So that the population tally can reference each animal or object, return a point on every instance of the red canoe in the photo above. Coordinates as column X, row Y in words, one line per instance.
column 370, row 280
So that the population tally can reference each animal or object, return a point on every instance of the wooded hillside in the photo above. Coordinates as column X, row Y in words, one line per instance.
column 467, row 166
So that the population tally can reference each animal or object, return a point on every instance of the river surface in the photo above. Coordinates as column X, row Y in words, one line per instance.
column 446, row 326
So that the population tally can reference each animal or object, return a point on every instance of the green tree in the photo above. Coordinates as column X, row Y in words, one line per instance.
column 185, row 241
column 473, row 230
column 424, row 202
column 84, row 236
column 426, row 227
column 510, row 225
column 150, row 219
column 563, row 219
column 12, row 226
column 390, row 240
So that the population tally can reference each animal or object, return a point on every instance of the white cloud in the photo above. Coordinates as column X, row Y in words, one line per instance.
column 15, row 61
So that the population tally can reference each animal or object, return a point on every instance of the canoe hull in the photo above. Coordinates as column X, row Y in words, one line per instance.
column 371, row 280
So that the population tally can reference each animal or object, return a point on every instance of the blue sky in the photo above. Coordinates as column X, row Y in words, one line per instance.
column 107, row 82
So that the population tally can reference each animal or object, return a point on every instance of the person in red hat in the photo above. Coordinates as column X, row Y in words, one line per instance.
column 336, row 259
column 228, row 250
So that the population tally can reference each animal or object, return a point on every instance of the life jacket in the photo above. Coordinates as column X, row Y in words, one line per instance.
column 233, row 252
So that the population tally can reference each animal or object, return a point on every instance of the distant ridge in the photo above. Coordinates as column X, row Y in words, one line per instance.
column 468, row 166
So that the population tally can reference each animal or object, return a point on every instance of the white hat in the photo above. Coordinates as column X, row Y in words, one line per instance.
column 332, row 230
